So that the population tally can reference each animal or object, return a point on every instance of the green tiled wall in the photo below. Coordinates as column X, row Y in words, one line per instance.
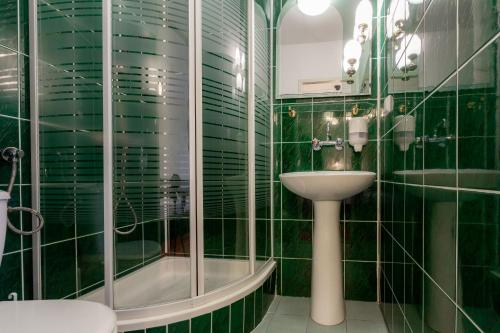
column 440, row 234
column 293, row 216
column 241, row 316
column 15, row 272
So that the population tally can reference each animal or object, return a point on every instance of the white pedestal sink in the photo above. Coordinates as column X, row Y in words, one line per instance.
column 327, row 189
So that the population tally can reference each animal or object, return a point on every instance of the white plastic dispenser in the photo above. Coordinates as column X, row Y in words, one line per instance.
column 404, row 133
column 4, row 198
column 358, row 133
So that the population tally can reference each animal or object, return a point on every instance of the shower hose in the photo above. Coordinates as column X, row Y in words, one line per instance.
column 13, row 155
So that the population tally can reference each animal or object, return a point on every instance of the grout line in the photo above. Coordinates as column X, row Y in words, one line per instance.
column 399, row 305
column 432, row 280
column 473, row 190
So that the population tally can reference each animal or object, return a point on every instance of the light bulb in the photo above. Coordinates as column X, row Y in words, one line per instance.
column 399, row 10
column 313, row 7
column 237, row 57
column 404, row 63
column 239, row 82
column 401, row 59
column 364, row 13
column 352, row 51
column 413, row 45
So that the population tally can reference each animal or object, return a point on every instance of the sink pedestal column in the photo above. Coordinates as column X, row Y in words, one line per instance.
column 327, row 296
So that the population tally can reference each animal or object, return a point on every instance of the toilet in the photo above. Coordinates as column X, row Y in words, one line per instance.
column 56, row 316
column 51, row 316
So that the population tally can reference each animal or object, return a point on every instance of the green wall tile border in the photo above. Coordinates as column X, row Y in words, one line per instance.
column 241, row 316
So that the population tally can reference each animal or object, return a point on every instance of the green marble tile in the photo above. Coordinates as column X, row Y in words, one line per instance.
column 249, row 313
column 277, row 161
column 362, row 207
column 179, row 327
column 277, row 238
column 259, row 305
column 321, row 119
column 297, row 239
column 294, row 206
column 162, row 329
column 212, row 239
column 59, row 269
column 90, row 260
column 478, row 232
column 299, row 128
column 237, row 316
column 235, row 237
column 296, row 157
column 360, row 241
column 296, row 277
column 220, row 320
column 10, row 275
column 360, row 277
column 201, row 324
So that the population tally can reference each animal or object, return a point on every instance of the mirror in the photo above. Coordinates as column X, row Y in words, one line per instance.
column 324, row 48
column 413, row 48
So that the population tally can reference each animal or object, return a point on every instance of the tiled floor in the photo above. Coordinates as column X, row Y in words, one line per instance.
column 291, row 315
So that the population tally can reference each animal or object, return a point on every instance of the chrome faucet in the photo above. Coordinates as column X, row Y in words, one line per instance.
column 317, row 144
column 435, row 138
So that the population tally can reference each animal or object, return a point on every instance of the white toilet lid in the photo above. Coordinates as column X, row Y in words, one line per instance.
column 58, row 316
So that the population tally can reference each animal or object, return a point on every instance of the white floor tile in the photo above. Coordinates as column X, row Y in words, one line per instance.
column 363, row 311
column 288, row 324
column 274, row 305
column 294, row 306
column 292, row 315
column 365, row 326
column 264, row 324
column 313, row 327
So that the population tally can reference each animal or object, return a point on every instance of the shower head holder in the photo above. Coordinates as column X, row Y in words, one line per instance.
column 11, row 154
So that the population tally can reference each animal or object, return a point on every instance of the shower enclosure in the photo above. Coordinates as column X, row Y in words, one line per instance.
column 151, row 148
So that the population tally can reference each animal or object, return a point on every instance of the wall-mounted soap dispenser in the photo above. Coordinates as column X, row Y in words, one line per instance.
column 404, row 133
column 4, row 199
column 358, row 133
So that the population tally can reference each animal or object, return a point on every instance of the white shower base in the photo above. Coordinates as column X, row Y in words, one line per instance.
column 168, row 279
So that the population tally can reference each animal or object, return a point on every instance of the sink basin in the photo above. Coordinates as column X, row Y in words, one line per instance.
column 327, row 189
column 327, row 185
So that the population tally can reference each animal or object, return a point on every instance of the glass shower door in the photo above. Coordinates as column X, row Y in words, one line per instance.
column 151, row 152
column 225, row 142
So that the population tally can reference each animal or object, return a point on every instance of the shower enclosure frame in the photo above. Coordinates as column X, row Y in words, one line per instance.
column 199, row 301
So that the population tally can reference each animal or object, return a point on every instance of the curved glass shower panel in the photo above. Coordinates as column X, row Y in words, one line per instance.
column 263, row 139
column 225, row 141
column 71, row 168
column 151, row 156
